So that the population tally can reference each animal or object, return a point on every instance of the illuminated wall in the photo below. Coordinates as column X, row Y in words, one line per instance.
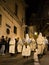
column 8, row 23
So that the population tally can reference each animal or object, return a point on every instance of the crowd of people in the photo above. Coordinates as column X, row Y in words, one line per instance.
column 4, row 45
column 24, row 46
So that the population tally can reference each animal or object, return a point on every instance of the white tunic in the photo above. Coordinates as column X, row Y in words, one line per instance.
column 40, row 43
column 12, row 46
column 19, row 45
column 26, row 51
column 33, row 45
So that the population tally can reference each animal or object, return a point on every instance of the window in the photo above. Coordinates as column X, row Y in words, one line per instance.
column 8, row 26
column 16, row 9
column 15, row 29
column 8, row 31
column 0, row 19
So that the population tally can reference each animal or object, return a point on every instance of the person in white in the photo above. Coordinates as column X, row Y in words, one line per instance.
column 40, row 44
column 46, row 44
column 26, row 47
column 19, row 45
column 12, row 46
column 33, row 44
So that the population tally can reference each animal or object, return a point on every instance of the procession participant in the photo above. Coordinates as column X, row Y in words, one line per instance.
column 19, row 45
column 12, row 47
column 40, row 43
column 27, row 39
column 46, row 44
column 26, row 52
column 33, row 44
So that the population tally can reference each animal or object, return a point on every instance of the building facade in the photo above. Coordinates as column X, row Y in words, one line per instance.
column 12, row 17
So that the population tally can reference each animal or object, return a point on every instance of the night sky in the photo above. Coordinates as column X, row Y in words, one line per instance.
column 34, row 6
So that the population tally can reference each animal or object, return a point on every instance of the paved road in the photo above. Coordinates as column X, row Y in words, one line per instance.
column 45, row 59
column 19, row 60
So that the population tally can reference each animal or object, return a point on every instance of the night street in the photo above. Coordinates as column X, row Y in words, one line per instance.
column 24, row 32
column 16, row 60
column 19, row 60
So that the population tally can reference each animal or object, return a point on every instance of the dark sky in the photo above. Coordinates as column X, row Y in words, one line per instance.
column 40, row 8
column 34, row 6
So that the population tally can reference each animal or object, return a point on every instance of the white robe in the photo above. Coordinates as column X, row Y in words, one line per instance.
column 26, row 51
column 40, row 43
column 19, row 45
column 12, row 46
column 33, row 45
column 19, row 48
column 45, row 44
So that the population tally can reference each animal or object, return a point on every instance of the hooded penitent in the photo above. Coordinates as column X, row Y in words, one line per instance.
column 40, row 43
column 19, row 45
column 12, row 46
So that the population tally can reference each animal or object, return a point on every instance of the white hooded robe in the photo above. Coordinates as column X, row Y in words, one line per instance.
column 12, row 46
column 26, row 51
column 19, row 45
column 40, row 42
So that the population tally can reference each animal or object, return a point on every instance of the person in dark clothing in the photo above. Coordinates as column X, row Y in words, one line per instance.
column 16, row 41
column 8, row 44
column 3, row 45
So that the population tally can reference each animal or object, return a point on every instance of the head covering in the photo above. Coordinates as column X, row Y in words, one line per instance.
column 20, row 41
column 40, row 34
column 27, row 37
column 12, row 41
